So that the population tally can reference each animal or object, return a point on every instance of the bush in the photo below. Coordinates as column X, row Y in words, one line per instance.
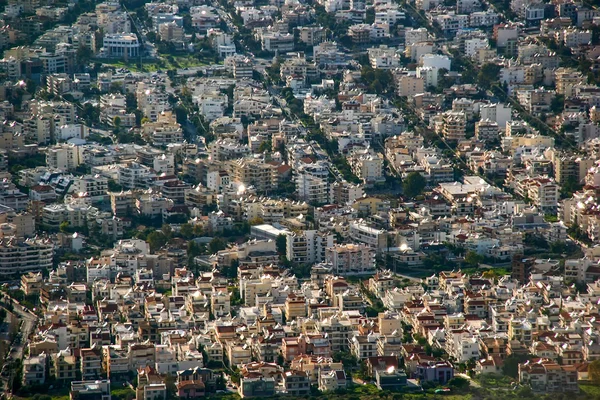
column 459, row 383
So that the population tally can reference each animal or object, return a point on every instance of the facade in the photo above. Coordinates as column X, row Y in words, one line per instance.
column 22, row 256
column 351, row 259
column 121, row 46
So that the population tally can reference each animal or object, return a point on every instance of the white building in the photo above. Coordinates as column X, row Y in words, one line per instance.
column 121, row 45
column 473, row 45
column 308, row 247
column 499, row 113
column 483, row 18
column 436, row 61
column 64, row 156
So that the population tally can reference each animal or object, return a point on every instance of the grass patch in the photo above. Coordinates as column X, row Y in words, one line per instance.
column 495, row 381
column 590, row 389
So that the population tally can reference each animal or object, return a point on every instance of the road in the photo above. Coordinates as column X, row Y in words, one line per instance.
column 473, row 383
column 18, row 346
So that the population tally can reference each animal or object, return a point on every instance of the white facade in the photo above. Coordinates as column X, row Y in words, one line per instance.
column 65, row 157
column 436, row 61
column 66, row 132
column 473, row 45
column 121, row 45
column 499, row 113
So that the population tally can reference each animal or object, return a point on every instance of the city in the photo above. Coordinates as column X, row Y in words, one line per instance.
column 299, row 198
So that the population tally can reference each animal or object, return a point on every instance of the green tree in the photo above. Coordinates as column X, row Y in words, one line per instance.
column 216, row 245
column 256, row 221
column 156, row 240
column 346, row 358
column 167, row 231
column 473, row 259
column 511, row 364
column 459, row 383
column 487, row 75
column 414, row 184
column 65, row 226
column 265, row 146
column 193, row 250
column 187, row 231
column 281, row 245
column 594, row 372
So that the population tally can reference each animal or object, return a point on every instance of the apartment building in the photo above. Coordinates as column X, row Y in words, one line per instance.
column 65, row 157
column 409, row 85
column 308, row 247
column 311, row 189
column 351, row 259
column 19, row 256
column 91, row 363
column 546, row 376
column 543, row 192
column 164, row 130
column 453, row 126
column 367, row 166
column 262, row 175
column 567, row 79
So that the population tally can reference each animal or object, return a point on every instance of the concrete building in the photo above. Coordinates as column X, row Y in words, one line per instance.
column 351, row 259
column 124, row 46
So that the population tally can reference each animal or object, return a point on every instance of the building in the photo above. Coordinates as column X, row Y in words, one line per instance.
column 296, row 383
column 367, row 166
column 34, row 369
column 256, row 387
column 121, row 45
column 545, row 376
column 308, row 247
column 454, row 125
column 263, row 176
column 409, row 85
column 277, row 42
column 439, row 372
column 360, row 33
column 91, row 389
column 171, row 32
column 91, row 362
column 65, row 157
column 391, row 379
column 351, row 259
column 19, row 256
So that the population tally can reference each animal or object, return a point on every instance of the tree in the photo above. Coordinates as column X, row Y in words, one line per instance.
column 280, row 360
column 281, row 244
column 193, row 250
column 216, row 245
column 346, row 358
column 264, row 146
column 156, row 240
column 414, row 184
column 64, row 226
column 511, row 364
column 488, row 74
column 186, row 230
column 459, row 383
column 167, row 231
column 256, row 221
column 594, row 372
column 473, row 259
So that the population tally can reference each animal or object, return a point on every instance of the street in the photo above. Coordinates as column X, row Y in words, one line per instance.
column 21, row 340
